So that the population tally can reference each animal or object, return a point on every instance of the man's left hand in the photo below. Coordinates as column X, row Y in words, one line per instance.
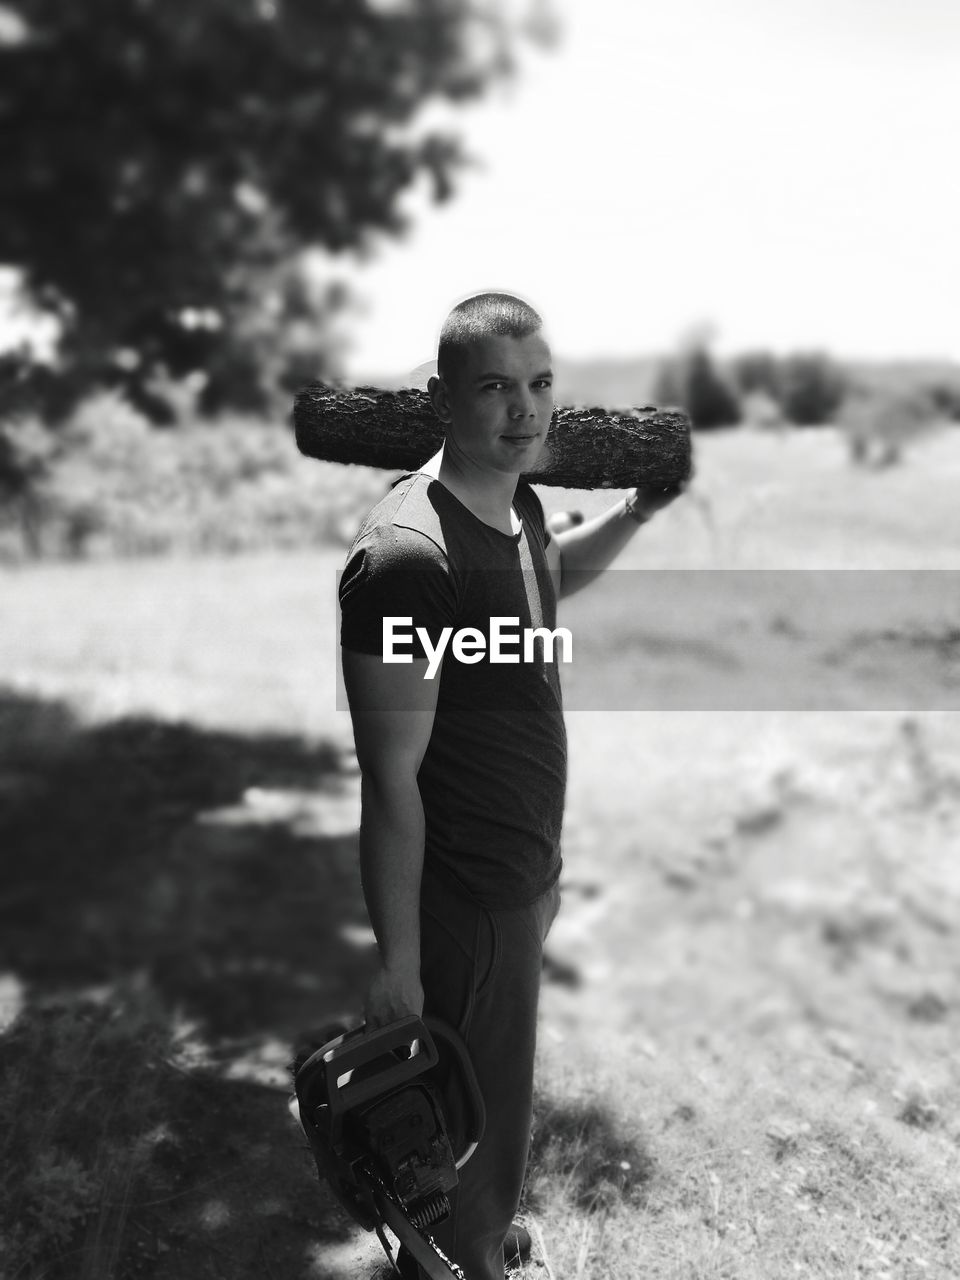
column 646, row 502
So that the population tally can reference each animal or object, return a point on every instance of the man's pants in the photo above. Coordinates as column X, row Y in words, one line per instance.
column 481, row 973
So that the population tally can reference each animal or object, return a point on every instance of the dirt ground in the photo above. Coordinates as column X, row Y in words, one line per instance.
column 756, row 966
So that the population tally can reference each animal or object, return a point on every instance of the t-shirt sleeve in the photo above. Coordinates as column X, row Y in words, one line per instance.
column 400, row 573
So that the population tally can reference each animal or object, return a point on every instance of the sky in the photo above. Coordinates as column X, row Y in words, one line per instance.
column 778, row 175
column 783, row 176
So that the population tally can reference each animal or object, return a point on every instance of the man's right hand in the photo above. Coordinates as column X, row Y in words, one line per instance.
column 392, row 995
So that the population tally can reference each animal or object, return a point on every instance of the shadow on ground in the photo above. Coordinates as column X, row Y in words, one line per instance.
column 195, row 857
column 585, row 1149
column 178, row 907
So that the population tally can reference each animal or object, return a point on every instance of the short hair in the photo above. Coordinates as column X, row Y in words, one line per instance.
column 479, row 317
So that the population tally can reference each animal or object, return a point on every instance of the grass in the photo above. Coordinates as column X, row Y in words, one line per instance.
column 748, row 1059
column 726, row 1183
column 84, row 1120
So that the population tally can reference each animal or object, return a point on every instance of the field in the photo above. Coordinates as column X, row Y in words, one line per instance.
column 749, row 1062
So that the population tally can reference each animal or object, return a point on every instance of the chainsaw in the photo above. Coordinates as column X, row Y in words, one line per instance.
column 369, row 1103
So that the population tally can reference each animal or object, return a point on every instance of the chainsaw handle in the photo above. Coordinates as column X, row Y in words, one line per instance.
column 321, row 1077
column 477, row 1118
column 360, row 1047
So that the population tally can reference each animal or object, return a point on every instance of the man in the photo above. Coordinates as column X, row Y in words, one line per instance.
column 463, row 774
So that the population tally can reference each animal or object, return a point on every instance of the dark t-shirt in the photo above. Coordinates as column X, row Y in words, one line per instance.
column 494, row 773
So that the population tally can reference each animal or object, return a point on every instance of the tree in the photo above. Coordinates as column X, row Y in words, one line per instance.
column 166, row 164
column 691, row 381
column 812, row 388
column 945, row 396
column 756, row 371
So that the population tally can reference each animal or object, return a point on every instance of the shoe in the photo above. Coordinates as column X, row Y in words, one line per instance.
column 516, row 1246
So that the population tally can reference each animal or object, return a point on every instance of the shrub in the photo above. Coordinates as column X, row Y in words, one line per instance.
column 108, row 482
column 880, row 422
column 756, row 371
column 945, row 397
column 812, row 388
column 692, row 382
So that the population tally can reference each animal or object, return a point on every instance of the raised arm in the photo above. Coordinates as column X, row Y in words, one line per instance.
column 392, row 707
column 579, row 554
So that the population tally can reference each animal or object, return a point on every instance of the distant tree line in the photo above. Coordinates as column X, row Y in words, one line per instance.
column 806, row 389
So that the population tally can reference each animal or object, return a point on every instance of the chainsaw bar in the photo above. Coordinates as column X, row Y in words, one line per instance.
column 424, row 1249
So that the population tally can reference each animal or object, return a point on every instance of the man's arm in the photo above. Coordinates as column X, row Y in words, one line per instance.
column 580, row 554
column 392, row 707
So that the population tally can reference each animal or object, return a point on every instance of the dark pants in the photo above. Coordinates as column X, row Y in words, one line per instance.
column 481, row 973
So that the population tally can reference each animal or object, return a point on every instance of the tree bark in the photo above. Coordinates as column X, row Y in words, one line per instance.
column 584, row 449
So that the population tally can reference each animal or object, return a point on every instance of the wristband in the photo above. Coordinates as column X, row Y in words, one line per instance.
column 633, row 511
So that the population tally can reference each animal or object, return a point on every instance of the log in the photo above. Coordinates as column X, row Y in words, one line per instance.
column 584, row 449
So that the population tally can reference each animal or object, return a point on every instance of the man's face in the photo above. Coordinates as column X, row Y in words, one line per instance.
column 498, row 407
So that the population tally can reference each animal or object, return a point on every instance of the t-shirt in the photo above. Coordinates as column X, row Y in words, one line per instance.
column 494, row 773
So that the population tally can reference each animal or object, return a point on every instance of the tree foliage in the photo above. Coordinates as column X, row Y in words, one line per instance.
column 692, row 381
column 166, row 163
column 756, row 371
column 809, row 387
column 812, row 388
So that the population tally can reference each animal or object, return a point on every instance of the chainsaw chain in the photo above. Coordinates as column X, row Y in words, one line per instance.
column 380, row 1187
